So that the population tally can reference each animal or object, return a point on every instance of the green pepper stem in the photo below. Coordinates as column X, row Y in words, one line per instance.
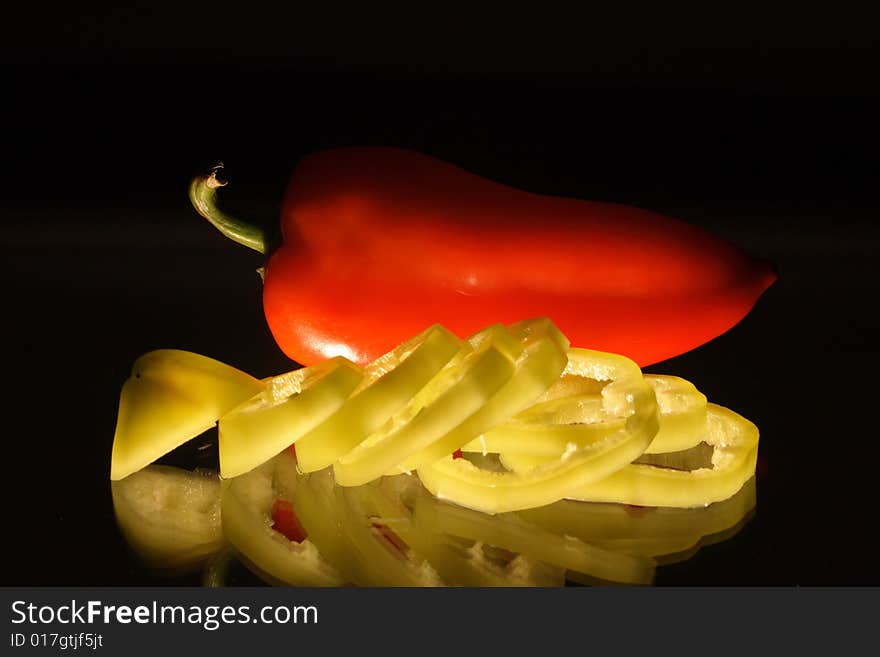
column 203, row 194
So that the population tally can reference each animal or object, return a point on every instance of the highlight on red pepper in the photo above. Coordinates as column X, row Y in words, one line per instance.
column 378, row 243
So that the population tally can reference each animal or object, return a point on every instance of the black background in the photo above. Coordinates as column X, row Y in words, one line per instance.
column 756, row 121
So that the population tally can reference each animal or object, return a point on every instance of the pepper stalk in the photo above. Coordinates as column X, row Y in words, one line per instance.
column 203, row 195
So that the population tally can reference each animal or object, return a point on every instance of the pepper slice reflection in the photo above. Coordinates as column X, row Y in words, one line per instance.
column 663, row 533
column 246, row 513
column 460, row 562
column 517, row 534
column 169, row 516
column 341, row 523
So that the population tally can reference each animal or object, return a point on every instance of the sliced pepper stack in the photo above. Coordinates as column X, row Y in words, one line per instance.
column 510, row 420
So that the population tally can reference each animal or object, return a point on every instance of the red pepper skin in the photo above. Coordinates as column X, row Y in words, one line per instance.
column 379, row 243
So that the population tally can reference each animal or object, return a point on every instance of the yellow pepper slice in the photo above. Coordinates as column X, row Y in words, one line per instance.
column 568, row 416
column 550, row 428
column 458, row 391
column 682, row 414
column 246, row 507
column 171, row 397
column 290, row 406
column 511, row 532
column 543, row 359
column 388, row 384
column 170, row 517
column 734, row 440
column 628, row 397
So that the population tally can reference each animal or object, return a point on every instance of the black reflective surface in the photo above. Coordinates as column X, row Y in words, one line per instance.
column 103, row 260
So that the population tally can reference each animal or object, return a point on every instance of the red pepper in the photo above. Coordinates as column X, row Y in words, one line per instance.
column 379, row 243
column 284, row 521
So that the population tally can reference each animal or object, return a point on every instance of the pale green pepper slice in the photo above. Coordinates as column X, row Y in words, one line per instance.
column 388, row 384
column 569, row 412
column 458, row 391
column 543, row 358
column 627, row 397
column 290, row 406
column 550, row 427
column 734, row 440
column 171, row 397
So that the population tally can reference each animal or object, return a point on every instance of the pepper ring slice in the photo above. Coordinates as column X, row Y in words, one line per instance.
column 291, row 405
column 734, row 440
column 628, row 397
column 388, row 384
column 458, row 391
column 171, row 397
column 543, row 358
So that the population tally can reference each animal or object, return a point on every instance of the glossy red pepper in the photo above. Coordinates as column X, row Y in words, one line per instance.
column 379, row 243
